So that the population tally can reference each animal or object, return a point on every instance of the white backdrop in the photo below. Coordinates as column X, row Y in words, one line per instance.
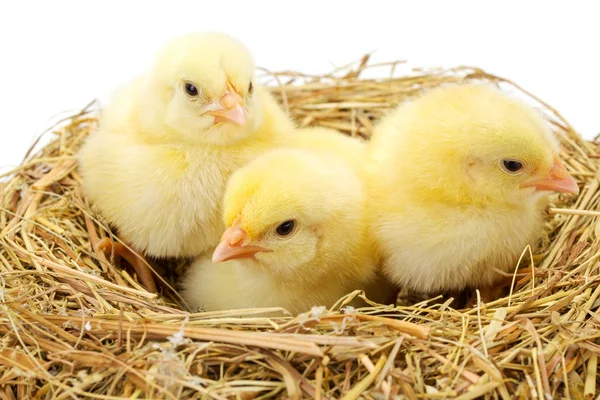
column 56, row 56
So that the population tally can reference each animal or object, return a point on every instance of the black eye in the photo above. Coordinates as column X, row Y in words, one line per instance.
column 286, row 228
column 251, row 88
column 512, row 165
column 191, row 89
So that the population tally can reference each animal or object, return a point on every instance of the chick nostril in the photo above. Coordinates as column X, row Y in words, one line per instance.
column 227, row 101
column 557, row 173
column 236, row 237
column 558, row 170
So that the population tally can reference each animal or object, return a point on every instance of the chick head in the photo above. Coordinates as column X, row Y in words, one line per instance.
column 466, row 144
column 289, row 208
column 202, row 87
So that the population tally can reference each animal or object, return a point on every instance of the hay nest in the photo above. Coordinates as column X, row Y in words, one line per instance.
column 74, row 325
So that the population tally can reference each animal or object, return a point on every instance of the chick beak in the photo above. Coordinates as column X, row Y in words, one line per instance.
column 233, row 245
column 230, row 108
column 558, row 180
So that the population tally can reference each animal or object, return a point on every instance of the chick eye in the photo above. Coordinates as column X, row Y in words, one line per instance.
column 251, row 88
column 512, row 165
column 190, row 89
column 286, row 228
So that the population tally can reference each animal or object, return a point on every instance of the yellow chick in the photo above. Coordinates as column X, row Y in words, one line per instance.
column 459, row 179
column 296, row 237
column 167, row 143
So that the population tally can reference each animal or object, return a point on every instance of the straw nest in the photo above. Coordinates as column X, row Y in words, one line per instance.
column 74, row 325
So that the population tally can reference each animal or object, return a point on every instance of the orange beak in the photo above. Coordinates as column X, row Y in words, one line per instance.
column 232, row 245
column 559, row 180
column 230, row 108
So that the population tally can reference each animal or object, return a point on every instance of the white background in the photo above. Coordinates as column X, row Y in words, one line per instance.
column 56, row 56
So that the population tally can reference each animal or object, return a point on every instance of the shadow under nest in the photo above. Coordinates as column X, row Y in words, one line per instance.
column 75, row 325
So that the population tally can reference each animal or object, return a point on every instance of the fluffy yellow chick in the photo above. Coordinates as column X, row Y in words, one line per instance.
column 459, row 179
column 296, row 237
column 157, row 166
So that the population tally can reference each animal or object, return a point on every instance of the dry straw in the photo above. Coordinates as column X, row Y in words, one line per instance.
column 74, row 325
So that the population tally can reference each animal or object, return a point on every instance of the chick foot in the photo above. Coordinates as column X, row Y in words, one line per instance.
column 487, row 294
column 139, row 264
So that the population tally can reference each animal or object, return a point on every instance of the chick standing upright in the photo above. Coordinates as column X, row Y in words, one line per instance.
column 459, row 179
column 296, row 237
column 157, row 166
